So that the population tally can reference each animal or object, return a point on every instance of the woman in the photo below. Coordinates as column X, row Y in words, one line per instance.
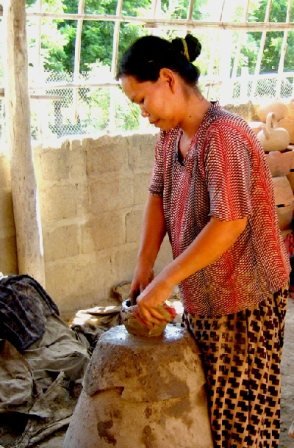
column 211, row 191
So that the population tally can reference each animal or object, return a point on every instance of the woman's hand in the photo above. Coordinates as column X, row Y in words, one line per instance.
column 143, row 275
column 150, row 302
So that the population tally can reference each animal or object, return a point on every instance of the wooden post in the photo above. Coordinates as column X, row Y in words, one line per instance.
column 261, row 49
column 23, row 180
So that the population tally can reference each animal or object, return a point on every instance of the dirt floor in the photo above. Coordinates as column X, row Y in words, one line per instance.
column 287, row 414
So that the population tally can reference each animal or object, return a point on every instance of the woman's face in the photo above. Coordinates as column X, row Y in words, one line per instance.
column 156, row 99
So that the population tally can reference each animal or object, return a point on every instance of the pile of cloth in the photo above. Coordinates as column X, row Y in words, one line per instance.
column 43, row 358
column 42, row 363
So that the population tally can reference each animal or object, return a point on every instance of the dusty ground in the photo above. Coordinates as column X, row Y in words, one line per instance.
column 287, row 415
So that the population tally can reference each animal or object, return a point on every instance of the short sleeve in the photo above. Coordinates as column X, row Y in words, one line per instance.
column 227, row 171
column 157, row 181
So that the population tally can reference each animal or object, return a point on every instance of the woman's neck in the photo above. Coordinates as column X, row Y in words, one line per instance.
column 196, row 108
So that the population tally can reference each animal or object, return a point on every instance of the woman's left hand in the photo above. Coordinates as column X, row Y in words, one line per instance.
column 150, row 303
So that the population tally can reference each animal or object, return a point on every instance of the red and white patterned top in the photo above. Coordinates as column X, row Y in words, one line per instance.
column 225, row 175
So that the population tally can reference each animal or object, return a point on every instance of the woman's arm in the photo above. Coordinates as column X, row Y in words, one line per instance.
column 152, row 235
column 212, row 242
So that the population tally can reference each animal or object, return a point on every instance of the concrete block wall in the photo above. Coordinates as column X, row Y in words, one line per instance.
column 92, row 194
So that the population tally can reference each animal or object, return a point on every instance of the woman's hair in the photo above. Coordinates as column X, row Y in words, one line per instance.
column 149, row 54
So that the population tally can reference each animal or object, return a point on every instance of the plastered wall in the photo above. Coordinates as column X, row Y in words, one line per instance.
column 92, row 193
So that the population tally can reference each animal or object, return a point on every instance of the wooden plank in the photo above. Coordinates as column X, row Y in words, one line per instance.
column 261, row 49
column 171, row 23
column 115, row 44
column 78, row 45
column 240, row 41
column 283, row 50
column 23, row 180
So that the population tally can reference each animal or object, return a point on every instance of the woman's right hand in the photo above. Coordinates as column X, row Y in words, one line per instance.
column 143, row 275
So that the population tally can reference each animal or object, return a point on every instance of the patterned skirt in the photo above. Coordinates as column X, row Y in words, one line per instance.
column 241, row 355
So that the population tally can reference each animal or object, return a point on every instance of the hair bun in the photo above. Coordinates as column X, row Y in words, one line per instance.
column 193, row 46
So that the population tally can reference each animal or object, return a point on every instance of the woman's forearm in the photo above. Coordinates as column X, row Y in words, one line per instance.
column 211, row 243
column 153, row 230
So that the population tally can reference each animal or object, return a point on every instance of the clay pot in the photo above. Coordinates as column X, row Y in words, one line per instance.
column 273, row 138
column 290, row 106
column 288, row 124
column 280, row 163
column 282, row 191
column 279, row 108
column 256, row 126
column 133, row 324
column 285, row 216
column 290, row 177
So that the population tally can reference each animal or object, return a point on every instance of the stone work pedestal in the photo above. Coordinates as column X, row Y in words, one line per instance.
column 142, row 393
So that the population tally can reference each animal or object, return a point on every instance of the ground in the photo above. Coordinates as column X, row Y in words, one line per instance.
column 287, row 414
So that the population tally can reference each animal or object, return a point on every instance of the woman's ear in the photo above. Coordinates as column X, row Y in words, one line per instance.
column 168, row 76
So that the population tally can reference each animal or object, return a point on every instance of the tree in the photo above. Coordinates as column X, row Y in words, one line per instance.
column 272, row 49
column 97, row 37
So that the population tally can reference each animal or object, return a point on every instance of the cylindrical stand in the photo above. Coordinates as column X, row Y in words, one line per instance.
column 142, row 393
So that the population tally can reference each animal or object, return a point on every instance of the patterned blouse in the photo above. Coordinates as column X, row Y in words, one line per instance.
column 225, row 175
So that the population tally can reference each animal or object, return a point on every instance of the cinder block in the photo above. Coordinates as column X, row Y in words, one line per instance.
column 141, row 152
column 124, row 261
column 111, row 193
column 59, row 202
column 141, row 184
column 79, row 284
column 134, row 225
column 107, row 154
column 104, row 231
column 76, row 144
column 54, row 164
column 62, row 164
column 61, row 242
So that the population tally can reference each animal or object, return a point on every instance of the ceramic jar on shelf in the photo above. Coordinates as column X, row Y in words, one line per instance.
column 284, row 200
column 272, row 137
column 275, row 140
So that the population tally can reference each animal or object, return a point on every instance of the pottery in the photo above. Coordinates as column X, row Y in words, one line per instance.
column 256, row 126
column 280, row 163
column 285, row 216
column 290, row 106
column 288, row 124
column 273, row 138
column 134, row 325
column 290, row 177
column 279, row 108
column 282, row 191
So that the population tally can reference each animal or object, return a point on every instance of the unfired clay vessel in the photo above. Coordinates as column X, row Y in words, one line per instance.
column 282, row 191
column 285, row 216
column 288, row 124
column 279, row 108
column 280, row 163
column 273, row 138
